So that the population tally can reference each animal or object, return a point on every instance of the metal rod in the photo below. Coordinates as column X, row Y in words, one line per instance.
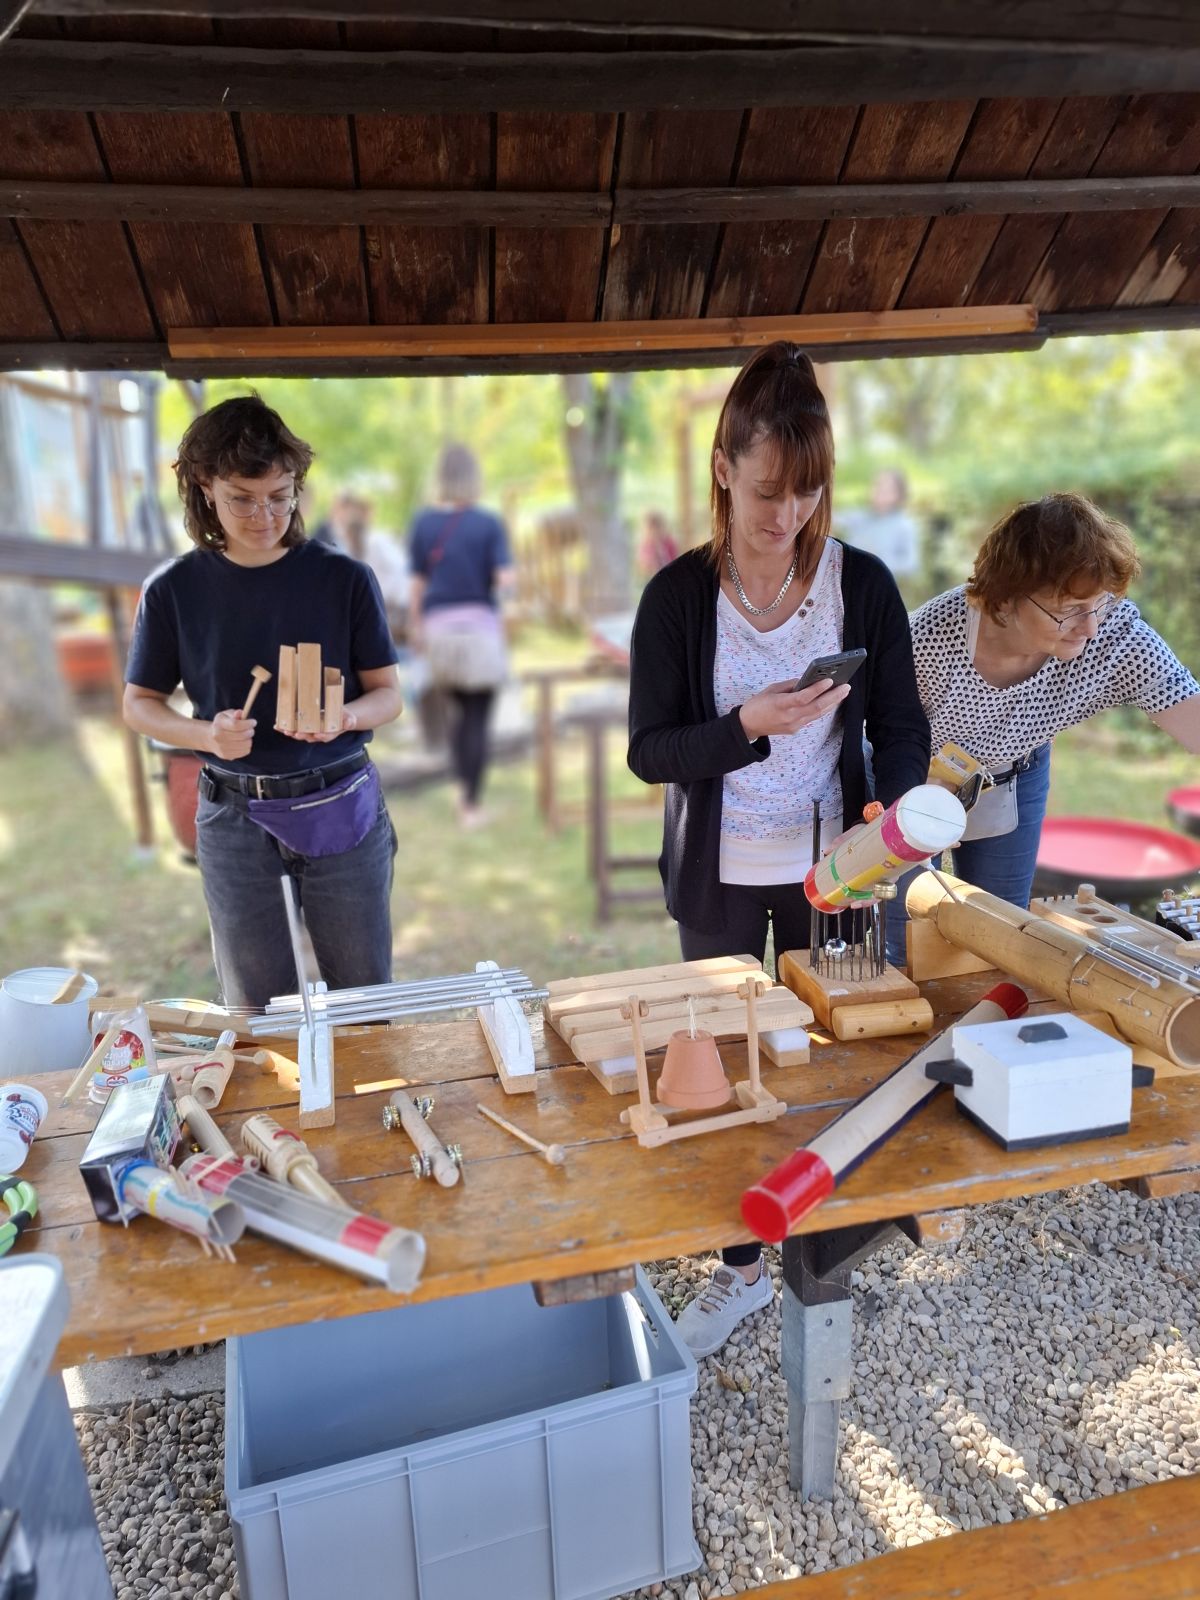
column 345, row 1016
column 293, row 922
column 504, row 980
column 1179, row 970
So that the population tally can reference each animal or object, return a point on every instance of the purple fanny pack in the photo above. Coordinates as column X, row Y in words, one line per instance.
column 326, row 822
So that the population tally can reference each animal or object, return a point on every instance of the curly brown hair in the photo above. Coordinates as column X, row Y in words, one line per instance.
column 1062, row 543
column 243, row 437
column 775, row 397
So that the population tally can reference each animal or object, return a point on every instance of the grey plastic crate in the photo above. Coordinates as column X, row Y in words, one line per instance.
column 49, row 1544
column 480, row 1446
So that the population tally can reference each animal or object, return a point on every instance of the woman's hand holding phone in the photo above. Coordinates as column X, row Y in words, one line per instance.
column 782, row 708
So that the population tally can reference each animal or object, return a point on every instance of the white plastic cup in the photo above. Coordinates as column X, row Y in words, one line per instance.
column 22, row 1110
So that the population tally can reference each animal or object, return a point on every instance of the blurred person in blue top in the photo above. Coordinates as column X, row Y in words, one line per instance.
column 305, row 805
column 461, row 567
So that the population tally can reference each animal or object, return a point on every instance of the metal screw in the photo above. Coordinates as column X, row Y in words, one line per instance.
column 391, row 1117
column 422, row 1166
column 454, row 1151
column 424, row 1104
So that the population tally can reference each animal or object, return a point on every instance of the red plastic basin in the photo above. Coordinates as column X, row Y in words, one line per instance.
column 1183, row 808
column 1122, row 859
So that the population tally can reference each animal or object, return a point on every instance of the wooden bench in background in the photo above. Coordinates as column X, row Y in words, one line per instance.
column 1143, row 1544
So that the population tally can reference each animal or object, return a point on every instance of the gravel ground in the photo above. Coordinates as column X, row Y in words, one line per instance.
column 1050, row 1355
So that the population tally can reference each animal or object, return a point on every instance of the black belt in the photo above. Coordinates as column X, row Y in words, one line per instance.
column 280, row 788
column 1015, row 771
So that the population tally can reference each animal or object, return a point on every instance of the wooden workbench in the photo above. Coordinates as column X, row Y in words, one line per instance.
column 513, row 1218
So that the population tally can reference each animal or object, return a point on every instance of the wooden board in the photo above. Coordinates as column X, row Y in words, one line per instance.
column 285, row 690
column 308, row 688
column 778, row 1008
column 826, row 994
column 614, row 988
column 1141, row 1544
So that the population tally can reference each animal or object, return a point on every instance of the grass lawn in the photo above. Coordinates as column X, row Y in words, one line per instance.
column 74, row 892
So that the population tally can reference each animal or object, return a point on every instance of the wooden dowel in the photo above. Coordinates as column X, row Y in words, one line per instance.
column 89, row 1066
column 69, row 989
column 444, row 1169
column 553, row 1153
column 203, row 1129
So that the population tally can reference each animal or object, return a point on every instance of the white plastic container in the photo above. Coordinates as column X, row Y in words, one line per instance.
column 22, row 1112
column 35, row 1034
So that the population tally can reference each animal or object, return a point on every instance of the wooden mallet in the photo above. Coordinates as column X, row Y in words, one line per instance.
column 553, row 1153
column 260, row 676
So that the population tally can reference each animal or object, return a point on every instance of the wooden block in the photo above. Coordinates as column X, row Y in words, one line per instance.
column 882, row 1019
column 585, row 1286
column 634, row 979
column 1160, row 1185
column 785, row 1047
column 930, row 956
column 778, row 1008
column 561, row 1013
column 941, row 1227
column 308, row 688
column 334, row 691
column 825, row 995
column 703, row 1007
column 285, row 690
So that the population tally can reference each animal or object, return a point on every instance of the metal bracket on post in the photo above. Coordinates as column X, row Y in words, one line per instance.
column 815, row 1345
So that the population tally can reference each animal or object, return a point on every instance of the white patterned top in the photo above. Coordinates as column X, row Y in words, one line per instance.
column 766, row 808
column 1127, row 663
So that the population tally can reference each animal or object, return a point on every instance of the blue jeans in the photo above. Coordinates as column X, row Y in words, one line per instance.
column 1003, row 866
column 345, row 899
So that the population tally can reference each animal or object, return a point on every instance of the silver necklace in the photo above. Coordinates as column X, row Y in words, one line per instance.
column 760, row 611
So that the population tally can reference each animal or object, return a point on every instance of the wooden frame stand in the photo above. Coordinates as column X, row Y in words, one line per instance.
column 505, row 1029
column 649, row 1118
column 314, row 1053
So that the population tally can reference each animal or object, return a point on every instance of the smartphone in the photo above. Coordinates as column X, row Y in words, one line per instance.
column 841, row 668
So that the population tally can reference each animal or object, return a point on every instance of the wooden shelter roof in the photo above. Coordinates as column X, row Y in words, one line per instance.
column 303, row 183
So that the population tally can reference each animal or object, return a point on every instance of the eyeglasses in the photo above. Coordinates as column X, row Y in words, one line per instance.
column 245, row 505
column 1078, row 617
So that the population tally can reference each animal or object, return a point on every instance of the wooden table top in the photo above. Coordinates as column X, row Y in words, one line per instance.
column 515, row 1219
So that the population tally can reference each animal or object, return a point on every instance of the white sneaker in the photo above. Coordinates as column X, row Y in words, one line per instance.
column 707, row 1321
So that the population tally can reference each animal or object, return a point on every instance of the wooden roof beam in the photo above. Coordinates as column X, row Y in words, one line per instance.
column 595, row 338
column 62, row 75
column 483, row 208
column 966, row 21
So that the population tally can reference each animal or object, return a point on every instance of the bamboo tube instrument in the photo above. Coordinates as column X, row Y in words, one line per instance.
column 1148, row 1006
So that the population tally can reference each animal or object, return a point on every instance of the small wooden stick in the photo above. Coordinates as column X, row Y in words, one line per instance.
column 70, row 988
column 89, row 1066
column 632, row 1012
column 750, row 991
column 260, row 676
column 553, row 1153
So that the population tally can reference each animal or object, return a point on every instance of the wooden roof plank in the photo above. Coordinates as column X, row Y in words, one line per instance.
column 1170, row 268
column 317, row 272
column 212, row 270
column 864, row 264
column 1074, row 141
column 1003, row 142
column 1092, row 257
column 553, row 275
column 1118, row 22
column 430, row 271
column 23, row 310
column 87, row 272
column 663, row 271
column 68, row 75
column 761, row 269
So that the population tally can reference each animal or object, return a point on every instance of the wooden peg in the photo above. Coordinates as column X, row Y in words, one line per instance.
column 90, row 1065
column 260, row 676
column 68, row 989
column 632, row 1012
column 750, row 992
column 553, row 1153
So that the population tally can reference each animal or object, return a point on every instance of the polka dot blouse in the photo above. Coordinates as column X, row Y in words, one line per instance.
column 1127, row 663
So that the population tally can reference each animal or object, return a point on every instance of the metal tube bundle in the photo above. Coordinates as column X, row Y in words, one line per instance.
column 384, row 1001
column 773, row 1206
column 1147, row 1005
column 349, row 1239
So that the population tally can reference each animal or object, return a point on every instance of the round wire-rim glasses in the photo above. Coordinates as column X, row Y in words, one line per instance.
column 246, row 506
column 1077, row 618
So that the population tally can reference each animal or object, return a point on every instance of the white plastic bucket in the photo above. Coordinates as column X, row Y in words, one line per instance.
column 36, row 1035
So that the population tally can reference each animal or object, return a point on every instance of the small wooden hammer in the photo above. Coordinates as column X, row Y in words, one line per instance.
column 260, row 676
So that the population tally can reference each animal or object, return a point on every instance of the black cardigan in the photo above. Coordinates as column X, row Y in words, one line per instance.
column 676, row 737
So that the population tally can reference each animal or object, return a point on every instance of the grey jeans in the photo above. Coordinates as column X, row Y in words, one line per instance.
column 346, row 901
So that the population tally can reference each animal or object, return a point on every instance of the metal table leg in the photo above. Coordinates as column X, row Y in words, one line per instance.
column 815, row 1348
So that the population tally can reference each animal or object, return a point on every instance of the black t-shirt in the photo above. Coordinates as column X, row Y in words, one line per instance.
column 204, row 621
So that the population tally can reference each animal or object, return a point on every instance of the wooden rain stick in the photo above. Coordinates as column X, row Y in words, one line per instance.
column 260, row 676
column 553, row 1153
column 285, row 699
column 335, row 689
column 308, row 688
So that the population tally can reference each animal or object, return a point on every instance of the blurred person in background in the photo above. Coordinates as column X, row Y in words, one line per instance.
column 658, row 546
column 885, row 528
column 461, row 567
